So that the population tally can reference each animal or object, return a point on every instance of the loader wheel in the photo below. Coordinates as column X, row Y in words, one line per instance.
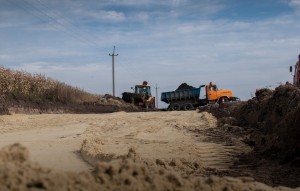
column 188, row 107
column 175, row 107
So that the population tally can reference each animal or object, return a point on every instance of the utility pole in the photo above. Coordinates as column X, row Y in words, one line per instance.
column 156, row 88
column 113, row 70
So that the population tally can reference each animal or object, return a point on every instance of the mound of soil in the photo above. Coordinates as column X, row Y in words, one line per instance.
column 223, row 110
column 263, row 93
column 276, row 115
column 270, row 124
column 184, row 86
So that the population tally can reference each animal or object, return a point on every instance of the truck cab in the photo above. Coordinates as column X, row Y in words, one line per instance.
column 213, row 94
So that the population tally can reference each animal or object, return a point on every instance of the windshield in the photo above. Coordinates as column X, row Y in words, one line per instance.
column 143, row 90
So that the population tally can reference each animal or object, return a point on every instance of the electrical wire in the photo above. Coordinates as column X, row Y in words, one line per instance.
column 58, row 26
column 61, row 16
column 72, row 33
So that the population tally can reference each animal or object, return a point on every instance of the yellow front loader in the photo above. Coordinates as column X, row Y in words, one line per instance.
column 141, row 97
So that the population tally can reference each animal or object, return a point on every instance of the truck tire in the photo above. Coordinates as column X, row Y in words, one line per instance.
column 175, row 107
column 223, row 100
column 188, row 107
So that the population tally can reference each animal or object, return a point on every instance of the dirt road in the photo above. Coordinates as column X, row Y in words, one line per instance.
column 136, row 151
column 55, row 141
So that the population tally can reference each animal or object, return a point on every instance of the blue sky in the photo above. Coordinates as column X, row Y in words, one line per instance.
column 238, row 44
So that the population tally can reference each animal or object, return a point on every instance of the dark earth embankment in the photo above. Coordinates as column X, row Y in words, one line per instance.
column 277, row 117
column 106, row 105
column 270, row 124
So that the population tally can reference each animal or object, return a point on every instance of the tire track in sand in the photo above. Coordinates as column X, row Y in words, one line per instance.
column 158, row 136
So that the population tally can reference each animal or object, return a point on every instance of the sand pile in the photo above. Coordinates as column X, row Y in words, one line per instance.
column 18, row 173
column 132, row 174
column 277, row 116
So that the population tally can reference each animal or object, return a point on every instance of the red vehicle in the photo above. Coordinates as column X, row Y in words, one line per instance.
column 296, row 79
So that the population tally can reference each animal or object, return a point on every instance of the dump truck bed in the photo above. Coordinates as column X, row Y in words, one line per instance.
column 180, row 95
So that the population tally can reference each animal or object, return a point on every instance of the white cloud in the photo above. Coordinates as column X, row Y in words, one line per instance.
column 295, row 4
column 107, row 15
column 140, row 16
column 129, row 2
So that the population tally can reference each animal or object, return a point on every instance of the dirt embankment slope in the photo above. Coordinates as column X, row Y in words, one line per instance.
column 273, row 117
column 276, row 116
column 103, row 104
column 269, row 123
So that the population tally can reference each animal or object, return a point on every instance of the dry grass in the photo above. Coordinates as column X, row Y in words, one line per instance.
column 20, row 85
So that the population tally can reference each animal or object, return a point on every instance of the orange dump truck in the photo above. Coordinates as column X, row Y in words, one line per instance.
column 189, row 99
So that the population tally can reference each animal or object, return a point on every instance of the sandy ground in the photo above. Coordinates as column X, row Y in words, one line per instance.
column 125, row 151
column 54, row 141
column 157, row 138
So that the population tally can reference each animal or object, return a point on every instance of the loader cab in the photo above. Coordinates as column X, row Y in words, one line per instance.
column 140, row 89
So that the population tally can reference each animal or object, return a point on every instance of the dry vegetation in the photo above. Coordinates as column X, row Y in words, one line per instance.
column 20, row 85
column 22, row 89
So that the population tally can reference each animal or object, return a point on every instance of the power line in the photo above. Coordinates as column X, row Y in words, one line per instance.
column 58, row 26
column 59, row 15
column 78, row 37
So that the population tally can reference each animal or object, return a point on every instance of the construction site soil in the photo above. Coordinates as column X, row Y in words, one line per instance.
column 252, row 145
column 270, row 124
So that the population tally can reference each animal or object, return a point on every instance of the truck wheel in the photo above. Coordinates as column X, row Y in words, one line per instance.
column 175, row 107
column 188, row 107
column 223, row 100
